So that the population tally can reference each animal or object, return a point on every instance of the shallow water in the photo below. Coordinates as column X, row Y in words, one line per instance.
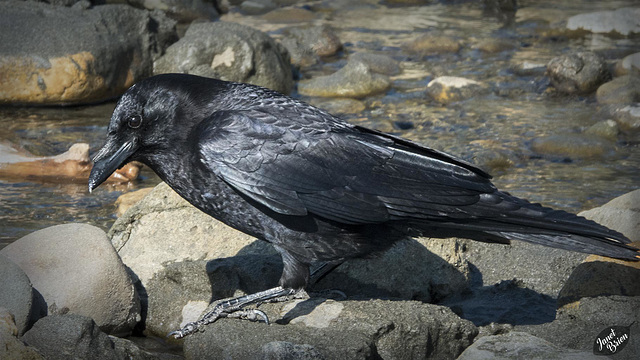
column 494, row 131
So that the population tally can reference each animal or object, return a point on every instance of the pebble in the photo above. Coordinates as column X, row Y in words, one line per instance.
column 621, row 90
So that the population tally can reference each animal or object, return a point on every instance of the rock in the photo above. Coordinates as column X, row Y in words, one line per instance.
column 74, row 165
column 10, row 346
column 17, row 295
column 290, row 16
column 601, row 276
column 449, row 89
column 127, row 349
column 607, row 129
column 621, row 214
column 231, row 52
column 75, row 268
column 629, row 65
column 107, row 49
column 340, row 330
column 627, row 117
column 624, row 21
column 578, row 326
column 519, row 345
column 574, row 146
column 527, row 68
column 579, row 72
column 495, row 45
column 70, row 336
column 621, row 90
column 429, row 44
column 355, row 80
column 339, row 106
column 287, row 350
column 307, row 43
column 380, row 64
column 257, row 7
column 184, row 11
column 127, row 200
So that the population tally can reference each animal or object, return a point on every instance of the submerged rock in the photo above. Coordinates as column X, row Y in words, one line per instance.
column 355, row 80
column 232, row 52
column 624, row 21
column 629, row 65
column 621, row 90
column 75, row 269
column 579, row 72
column 577, row 146
column 429, row 44
column 449, row 89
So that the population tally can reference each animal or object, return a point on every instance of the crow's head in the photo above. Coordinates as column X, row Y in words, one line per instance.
column 150, row 118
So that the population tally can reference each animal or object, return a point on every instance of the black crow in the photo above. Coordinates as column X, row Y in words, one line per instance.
column 318, row 189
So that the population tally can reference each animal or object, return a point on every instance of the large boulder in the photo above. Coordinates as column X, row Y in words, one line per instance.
column 17, row 295
column 75, row 269
column 231, row 52
column 69, row 55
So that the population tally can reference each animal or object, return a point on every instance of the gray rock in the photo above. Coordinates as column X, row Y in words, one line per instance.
column 10, row 346
column 449, row 89
column 429, row 44
column 627, row 117
column 75, row 268
column 574, row 146
column 624, row 21
column 107, row 49
column 127, row 349
column 621, row 90
column 340, row 330
column 577, row 326
column 281, row 350
column 380, row 64
column 183, row 11
column 70, row 336
column 354, row 80
column 580, row 72
column 257, row 7
column 629, row 65
column 621, row 214
column 518, row 345
column 232, row 52
column 307, row 43
column 17, row 295
column 607, row 129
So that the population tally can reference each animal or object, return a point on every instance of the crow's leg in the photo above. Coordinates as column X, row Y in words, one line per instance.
column 235, row 308
column 317, row 274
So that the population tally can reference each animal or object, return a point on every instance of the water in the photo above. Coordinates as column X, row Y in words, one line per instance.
column 494, row 131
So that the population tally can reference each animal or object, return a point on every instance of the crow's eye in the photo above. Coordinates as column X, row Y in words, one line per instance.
column 134, row 121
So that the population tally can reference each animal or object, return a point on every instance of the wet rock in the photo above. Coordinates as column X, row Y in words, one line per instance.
column 231, row 52
column 107, row 49
column 380, row 64
column 601, row 276
column 355, row 80
column 607, row 129
column 257, row 7
column 344, row 330
column 629, row 65
column 307, row 43
column 70, row 336
column 125, row 201
column 449, row 89
column 579, row 72
column 627, row 117
column 621, row 214
column 75, row 269
column 495, row 45
column 10, row 346
column 577, row 326
column 621, row 90
column 73, row 165
column 518, row 345
column 527, row 68
column 290, row 16
column 429, row 44
column 184, row 11
column 17, row 295
column 624, row 21
column 575, row 146
column 339, row 106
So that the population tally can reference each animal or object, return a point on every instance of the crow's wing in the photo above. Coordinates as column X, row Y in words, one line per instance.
column 344, row 173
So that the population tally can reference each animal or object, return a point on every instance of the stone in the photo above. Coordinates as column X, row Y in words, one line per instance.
column 381, row 64
column 627, row 117
column 17, row 295
column 579, row 72
column 231, row 52
column 307, row 43
column 75, row 269
column 495, row 45
column 10, row 346
column 449, row 89
column 350, row 330
column 107, row 50
column 629, row 65
column 257, row 7
column 621, row 90
column 519, row 345
column 354, row 80
column 607, row 129
column 623, row 21
column 70, row 336
column 429, row 44
column 184, row 11
column 127, row 200
column 621, row 214
column 339, row 106
column 574, row 146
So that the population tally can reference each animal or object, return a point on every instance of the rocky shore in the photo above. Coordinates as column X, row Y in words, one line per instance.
column 73, row 290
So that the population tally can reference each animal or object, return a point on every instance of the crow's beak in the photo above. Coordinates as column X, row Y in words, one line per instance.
column 110, row 158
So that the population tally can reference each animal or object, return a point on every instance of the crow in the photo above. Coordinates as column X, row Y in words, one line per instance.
column 319, row 189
